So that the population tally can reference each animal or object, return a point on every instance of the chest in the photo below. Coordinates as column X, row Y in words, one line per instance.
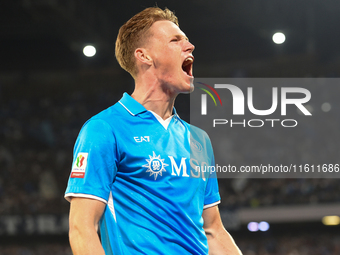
column 154, row 153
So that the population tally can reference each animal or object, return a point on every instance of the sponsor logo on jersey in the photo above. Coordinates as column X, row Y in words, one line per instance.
column 140, row 139
column 79, row 166
column 155, row 165
column 195, row 145
column 177, row 170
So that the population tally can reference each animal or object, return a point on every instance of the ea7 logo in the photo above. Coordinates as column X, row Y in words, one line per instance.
column 238, row 100
column 140, row 139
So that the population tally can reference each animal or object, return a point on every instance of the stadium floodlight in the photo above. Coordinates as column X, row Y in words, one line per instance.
column 279, row 38
column 331, row 220
column 89, row 51
column 253, row 226
column 326, row 107
column 263, row 226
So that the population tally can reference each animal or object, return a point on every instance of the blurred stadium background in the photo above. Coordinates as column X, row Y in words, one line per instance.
column 48, row 89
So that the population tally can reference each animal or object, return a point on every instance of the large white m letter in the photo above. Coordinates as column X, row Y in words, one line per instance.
column 178, row 169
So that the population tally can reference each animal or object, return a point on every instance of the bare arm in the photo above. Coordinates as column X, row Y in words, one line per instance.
column 84, row 217
column 219, row 240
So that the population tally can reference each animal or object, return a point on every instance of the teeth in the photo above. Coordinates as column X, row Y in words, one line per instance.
column 188, row 60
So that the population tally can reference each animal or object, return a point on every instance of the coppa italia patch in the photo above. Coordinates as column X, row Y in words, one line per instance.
column 79, row 166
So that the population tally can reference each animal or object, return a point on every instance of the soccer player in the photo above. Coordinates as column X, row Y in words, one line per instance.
column 133, row 174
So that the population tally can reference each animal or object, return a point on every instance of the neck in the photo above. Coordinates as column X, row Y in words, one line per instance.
column 153, row 97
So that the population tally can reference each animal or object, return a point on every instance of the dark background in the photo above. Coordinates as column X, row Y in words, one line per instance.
column 48, row 89
column 228, row 35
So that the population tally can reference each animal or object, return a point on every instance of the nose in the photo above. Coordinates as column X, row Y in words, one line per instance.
column 189, row 47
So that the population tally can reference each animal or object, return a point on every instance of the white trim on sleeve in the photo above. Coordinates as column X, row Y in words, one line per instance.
column 69, row 196
column 211, row 205
column 111, row 206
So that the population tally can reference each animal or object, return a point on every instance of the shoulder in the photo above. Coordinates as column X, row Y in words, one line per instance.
column 111, row 113
column 193, row 129
column 199, row 134
column 102, row 125
column 199, row 139
column 106, row 118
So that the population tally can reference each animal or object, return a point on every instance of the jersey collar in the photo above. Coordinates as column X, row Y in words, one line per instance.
column 135, row 108
column 131, row 105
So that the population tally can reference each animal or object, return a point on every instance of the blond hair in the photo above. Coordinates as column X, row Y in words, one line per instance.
column 133, row 33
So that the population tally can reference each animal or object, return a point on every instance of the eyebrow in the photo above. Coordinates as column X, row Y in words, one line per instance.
column 181, row 37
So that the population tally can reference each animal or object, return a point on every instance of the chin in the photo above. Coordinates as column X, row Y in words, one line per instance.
column 191, row 86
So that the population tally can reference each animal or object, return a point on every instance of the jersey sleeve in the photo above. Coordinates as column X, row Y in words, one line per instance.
column 95, row 162
column 212, row 195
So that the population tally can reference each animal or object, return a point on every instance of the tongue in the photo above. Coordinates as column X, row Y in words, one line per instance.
column 186, row 67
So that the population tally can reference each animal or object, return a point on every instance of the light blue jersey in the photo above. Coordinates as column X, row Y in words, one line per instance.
column 142, row 168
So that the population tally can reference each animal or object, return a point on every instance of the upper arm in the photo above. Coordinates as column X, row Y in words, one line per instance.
column 95, row 162
column 212, row 220
column 84, row 217
column 85, row 213
column 219, row 240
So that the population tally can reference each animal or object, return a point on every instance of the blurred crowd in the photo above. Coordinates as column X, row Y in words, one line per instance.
column 39, row 249
column 254, row 193
column 36, row 142
column 37, row 134
column 302, row 244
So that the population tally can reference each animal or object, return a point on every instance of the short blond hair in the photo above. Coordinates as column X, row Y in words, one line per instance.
column 134, row 31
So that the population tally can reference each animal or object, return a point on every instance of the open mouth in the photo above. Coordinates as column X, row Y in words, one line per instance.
column 187, row 65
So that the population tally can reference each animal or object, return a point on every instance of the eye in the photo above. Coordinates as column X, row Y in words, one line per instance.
column 174, row 40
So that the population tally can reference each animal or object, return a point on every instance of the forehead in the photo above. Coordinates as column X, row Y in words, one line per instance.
column 165, row 28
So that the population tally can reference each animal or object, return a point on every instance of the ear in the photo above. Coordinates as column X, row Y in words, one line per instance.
column 141, row 54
